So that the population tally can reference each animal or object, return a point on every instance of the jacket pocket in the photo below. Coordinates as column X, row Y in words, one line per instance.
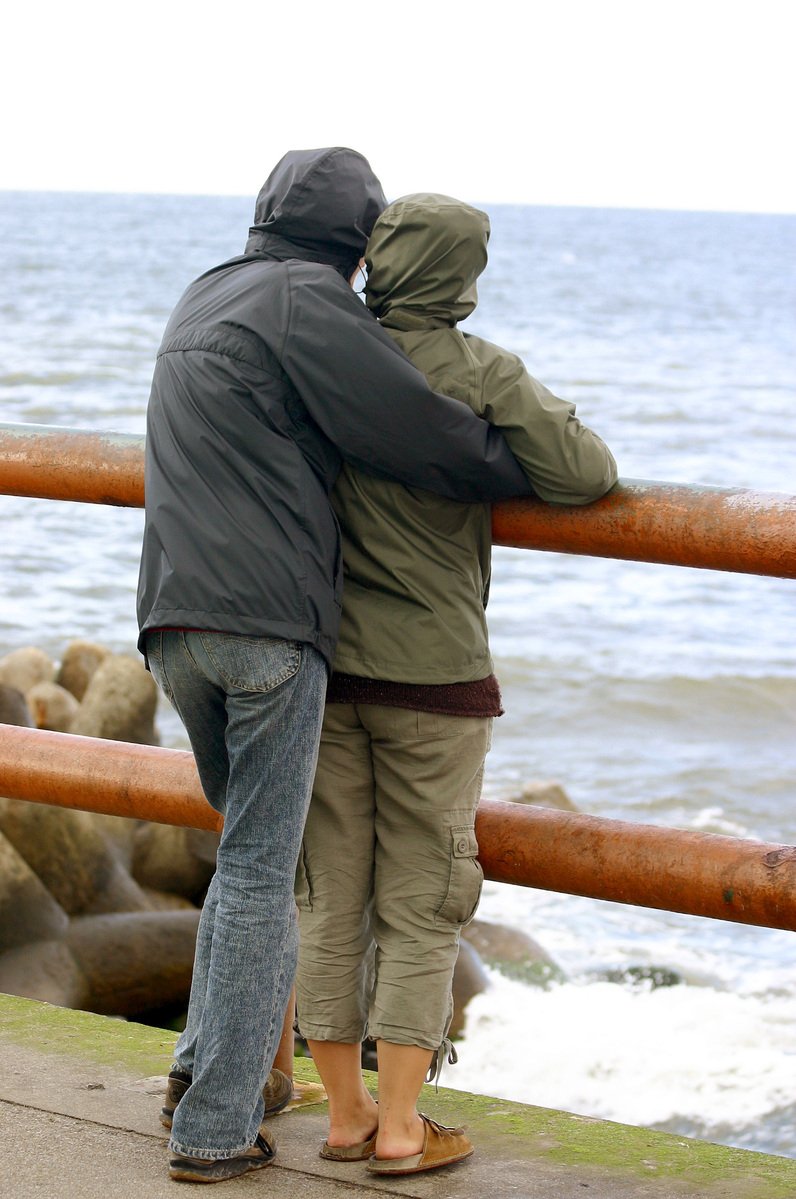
column 465, row 880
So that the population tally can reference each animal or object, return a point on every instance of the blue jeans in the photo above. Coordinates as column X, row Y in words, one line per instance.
column 253, row 708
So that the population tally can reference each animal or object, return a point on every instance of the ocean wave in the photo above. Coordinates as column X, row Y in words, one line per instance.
column 54, row 378
column 673, row 1056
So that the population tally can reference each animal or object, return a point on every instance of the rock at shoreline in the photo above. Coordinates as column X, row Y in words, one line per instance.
column 69, row 854
column 125, row 964
column 28, row 911
column 119, row 833
column 95, row 694
column 52, row 707
column 165, row 859
column 46, row 971
column 124, row 952
column 469, row 979
column 203, row 844
column 76, row 926
column 119, row 703
column 78, row 666
column 98, row 912
column 135, row 962
column 14, row 708
column 546, row 793
column 167, row 901
column 24, row 668
column 512, row 952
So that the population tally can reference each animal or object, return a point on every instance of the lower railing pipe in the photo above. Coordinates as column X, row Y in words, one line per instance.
column 112, row 777
column 700, row 874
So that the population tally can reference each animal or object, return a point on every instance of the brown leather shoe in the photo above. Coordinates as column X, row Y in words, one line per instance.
column 277, row 1093
column 441, row 1147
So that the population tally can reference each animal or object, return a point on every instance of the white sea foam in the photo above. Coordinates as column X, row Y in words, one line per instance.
column 660, row 1056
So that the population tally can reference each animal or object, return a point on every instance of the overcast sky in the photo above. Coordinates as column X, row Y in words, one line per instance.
column 636, row 103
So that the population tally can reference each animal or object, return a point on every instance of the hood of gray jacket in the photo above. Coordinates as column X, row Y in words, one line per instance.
column 319, row 205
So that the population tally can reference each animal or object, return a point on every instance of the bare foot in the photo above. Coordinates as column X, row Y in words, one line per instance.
column 352, row 1128
column 401, row 1140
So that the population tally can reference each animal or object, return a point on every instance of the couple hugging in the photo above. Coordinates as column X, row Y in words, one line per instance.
column 314, row 576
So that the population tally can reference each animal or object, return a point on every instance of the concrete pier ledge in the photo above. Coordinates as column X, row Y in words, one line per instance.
column 80, row 1096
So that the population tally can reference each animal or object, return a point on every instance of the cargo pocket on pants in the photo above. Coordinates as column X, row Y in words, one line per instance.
column 465, row 880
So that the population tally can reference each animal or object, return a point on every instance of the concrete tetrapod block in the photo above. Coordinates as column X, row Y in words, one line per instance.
column 78, row 666
column 14, row 708
column 28, row 911
column 25, row 667
column 165, row 858
column 69, row 852
column 47, row 971
column 52, row 707
column 135, row 961
column 119, row 703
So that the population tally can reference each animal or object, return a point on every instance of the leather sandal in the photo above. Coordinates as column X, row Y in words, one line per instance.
column 197, row 1169
column 441, row 1147
column 349, row 1153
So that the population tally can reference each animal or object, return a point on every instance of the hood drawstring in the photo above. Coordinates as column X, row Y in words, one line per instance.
column 438, row 1061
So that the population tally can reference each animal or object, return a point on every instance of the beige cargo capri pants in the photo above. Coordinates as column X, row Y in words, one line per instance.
column 388, row 862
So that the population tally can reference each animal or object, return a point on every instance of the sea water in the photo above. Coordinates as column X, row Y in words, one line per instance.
column 656, row 694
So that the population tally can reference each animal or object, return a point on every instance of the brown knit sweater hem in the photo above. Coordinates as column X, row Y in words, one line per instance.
column 479, row 698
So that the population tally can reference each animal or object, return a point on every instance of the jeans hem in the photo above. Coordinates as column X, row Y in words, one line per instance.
column 208, row 1155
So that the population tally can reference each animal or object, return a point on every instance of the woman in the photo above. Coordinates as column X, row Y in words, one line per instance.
column 389, row 871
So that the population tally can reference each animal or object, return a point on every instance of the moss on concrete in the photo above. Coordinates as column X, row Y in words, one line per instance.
column 523, row 1132
column 105, row 1040
column 620, row 1149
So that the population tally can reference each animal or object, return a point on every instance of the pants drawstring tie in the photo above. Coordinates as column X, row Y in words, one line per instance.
column 448, row 1050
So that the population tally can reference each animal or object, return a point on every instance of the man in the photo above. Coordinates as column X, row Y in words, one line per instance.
column 270, row 369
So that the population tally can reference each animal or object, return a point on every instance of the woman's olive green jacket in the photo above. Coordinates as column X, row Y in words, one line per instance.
column 416, row 566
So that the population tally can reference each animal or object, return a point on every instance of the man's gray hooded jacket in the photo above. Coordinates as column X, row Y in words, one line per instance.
column 269, row 370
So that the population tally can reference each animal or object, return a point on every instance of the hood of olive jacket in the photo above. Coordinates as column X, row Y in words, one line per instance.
column 323, row 202
column 417, row 565
column 424, row 256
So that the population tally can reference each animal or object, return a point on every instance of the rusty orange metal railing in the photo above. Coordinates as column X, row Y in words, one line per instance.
column 674, row 523
column 701, row 874
column 72, row 464
column 677, row 870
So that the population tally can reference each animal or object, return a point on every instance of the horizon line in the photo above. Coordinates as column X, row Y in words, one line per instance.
column 613, row 205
